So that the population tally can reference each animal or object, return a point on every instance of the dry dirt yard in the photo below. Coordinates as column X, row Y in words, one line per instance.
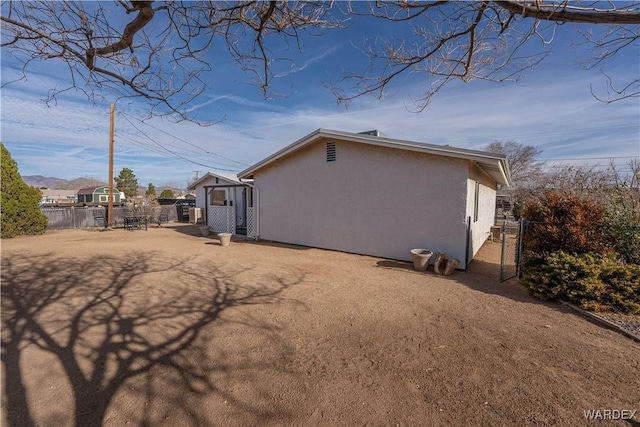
column 165, row 327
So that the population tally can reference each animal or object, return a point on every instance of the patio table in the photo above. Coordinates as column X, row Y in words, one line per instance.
column 135, row 221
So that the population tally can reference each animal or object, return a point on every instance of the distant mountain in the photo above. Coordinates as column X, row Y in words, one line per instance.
column 61, row 184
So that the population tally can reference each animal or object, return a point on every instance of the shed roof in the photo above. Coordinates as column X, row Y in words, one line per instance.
column 493, row 164
column 90, row 190
column 231, row 177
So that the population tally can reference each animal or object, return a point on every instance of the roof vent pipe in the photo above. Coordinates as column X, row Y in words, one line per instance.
column 374, row 132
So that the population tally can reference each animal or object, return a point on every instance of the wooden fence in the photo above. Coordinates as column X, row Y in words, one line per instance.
column 83, row 217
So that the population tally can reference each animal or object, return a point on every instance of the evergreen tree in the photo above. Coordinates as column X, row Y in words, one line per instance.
column 167, row 194
column 127, row 182
column 151, row 191
column 20, row 209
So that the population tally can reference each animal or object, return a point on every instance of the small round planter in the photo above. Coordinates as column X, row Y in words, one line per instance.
column 421, row 259
column 225, row 238
column 204, row 230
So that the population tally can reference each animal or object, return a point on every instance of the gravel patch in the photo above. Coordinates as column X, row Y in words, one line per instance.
column 630, row 324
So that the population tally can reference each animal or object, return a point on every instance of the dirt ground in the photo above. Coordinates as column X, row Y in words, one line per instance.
column 165, row 327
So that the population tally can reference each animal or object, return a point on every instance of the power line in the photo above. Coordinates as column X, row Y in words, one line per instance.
column 149, row 147
column 591, row 158
column 183, row 140
column 174, row 153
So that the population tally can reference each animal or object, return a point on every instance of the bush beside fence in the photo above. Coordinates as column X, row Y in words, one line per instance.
column 574, row 252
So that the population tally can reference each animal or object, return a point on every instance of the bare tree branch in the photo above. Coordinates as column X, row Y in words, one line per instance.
column 108, row 54
column 564, row 11
column 126, row 41
column 614, row 94
column 487, row 40
column 166, row 63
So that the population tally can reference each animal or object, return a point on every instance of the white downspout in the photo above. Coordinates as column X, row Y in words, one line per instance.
column 257, row 199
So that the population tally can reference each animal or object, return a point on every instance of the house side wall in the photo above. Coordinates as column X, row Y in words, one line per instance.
column 482, row 220
column 372, row 200
column 201, row 199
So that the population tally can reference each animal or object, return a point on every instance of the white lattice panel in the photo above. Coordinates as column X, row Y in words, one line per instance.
column 251, row 222
column 222, row 219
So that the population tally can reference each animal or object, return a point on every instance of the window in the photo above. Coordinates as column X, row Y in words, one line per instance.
column 331, row 151
column 218, row 198
column 476, row 201
column 105, row 198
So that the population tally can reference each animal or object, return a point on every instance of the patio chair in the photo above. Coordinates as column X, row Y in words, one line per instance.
column 99, row 219
column 130, row 220
column 163, row 216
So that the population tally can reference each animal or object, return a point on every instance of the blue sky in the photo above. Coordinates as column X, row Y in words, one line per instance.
column 552, row 108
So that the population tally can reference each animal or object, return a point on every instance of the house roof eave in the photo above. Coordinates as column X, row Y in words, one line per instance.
column 208, row 175
column 493, row 163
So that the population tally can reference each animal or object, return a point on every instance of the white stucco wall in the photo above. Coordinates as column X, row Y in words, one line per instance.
column 480, row 228
column 371, row 200
column 201, row 199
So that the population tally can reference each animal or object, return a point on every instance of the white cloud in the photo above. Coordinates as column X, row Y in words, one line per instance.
column 324, row 54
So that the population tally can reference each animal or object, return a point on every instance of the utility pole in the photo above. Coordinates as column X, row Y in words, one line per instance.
column 196, row 178
column 111, row 131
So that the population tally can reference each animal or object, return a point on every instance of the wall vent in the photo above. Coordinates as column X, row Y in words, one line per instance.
column 331, row 151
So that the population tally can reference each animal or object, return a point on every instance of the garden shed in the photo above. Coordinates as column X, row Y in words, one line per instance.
column 369, row 194
column 226, row 203
column 98, row 194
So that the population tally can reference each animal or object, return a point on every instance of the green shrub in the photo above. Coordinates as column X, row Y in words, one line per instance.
column 623, row 227
column 21, row 212
column 592, row 281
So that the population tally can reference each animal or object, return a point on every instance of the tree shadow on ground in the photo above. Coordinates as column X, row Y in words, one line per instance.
column 105, row 328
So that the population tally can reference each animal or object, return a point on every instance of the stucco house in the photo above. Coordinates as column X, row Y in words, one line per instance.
column 51, row 196
column 226, row 203
column 373, row 195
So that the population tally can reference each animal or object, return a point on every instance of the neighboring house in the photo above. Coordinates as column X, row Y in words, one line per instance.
column 226, row 203
column 373, row 195
column 99, row 195
column 55, row 196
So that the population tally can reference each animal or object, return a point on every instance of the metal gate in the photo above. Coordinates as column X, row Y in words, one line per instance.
column 511, row 249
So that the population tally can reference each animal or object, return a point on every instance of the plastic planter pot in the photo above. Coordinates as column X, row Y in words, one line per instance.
column 225, row 238
column 421, row 259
